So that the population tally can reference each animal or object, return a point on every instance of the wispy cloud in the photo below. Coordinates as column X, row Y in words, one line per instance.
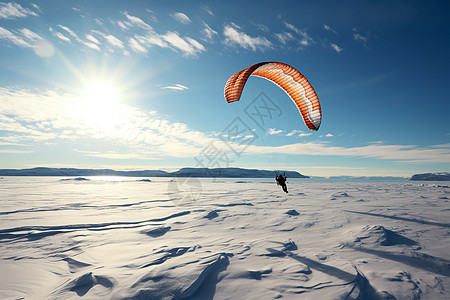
column 261, row 27
column 336, row 48
column 136, row 46
column 328, row 28
column 359, row 37
column 291, row 133
column 181, row 17
column 152, row 15
column 208, row 10
column 141, row 41
column 92, row 42
column 14, row 10
column 175, row 87
column 188, row 46
column 152, row 39
column 303, row 134
column 59, row 35
column 306, row 39
column 135, row 21
column 208, row 33
column 401, row 153
column 7, row 35
column 299, row 133
column 114, row 41
column 70, row 32
column 14, row 151
column 284, row 37
column 115, row 155
column 137, row 35
column 233, row 36
column 273, row 131
column 36, row 7
column 30, row 35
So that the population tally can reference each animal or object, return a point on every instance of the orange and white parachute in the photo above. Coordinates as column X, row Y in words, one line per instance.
column 286, row 77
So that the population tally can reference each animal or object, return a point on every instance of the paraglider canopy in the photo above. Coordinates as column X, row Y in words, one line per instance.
column 287, row 78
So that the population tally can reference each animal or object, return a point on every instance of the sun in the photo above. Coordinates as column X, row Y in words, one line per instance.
column 100, row 104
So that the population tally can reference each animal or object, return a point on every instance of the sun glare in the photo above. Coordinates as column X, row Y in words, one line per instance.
column 101, row 104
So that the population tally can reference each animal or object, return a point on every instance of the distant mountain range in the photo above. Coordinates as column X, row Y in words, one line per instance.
column 184, row 172
column 443, row 176
column 205, row 172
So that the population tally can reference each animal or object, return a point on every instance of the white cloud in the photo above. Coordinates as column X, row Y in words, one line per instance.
column 14, row 10
column 208, row 33
column 59, row 35
column 7, row 35
column 70, row 32
column 11, row 151
column 151, row 39
column 91, row 45
column 152, row 16
column 336, row 48
column 292, row 27
column 36, row 6
column 404, row 153
column 124, row 25
column 261, row 27
column 284, row 37
column 303, row 134
column 235, row 37
column 196, row 44
column 139, row 43
column 175, row 87
column 114, row 41
column 30, row 35
column 115, row 155
column 189, row 48
column 136, row 47
column 328, row 28
column 182, row 18
column 98, row 21
column 306, row 39
column 329, row 135
column 187, row 45
column 92, row 39
column 137, row 22
column 209, row 11
column 359, row 37
column 273, row 131
column 293, row 132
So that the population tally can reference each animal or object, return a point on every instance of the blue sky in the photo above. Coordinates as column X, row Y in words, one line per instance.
column 139, row 85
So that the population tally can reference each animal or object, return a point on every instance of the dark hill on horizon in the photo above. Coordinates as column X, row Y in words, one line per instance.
column 441, row 176
column 183, row 172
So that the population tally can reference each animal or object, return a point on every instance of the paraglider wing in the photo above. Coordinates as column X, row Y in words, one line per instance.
column 287, row 78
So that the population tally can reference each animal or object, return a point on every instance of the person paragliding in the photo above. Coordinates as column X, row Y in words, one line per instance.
column 281, row 181
column 288, row 79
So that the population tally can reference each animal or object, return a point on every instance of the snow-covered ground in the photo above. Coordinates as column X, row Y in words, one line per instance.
column 122, row 238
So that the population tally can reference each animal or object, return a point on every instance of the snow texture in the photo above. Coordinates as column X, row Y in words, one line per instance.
column 128, row 239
